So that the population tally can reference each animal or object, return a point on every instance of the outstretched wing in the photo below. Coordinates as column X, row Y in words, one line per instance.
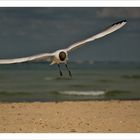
column 107, row 31
column 39, row 57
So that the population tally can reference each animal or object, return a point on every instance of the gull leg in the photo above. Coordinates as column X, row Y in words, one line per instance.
column 68, row 70
column 60, row 70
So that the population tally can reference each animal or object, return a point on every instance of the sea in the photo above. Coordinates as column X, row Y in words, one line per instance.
column 40, row 82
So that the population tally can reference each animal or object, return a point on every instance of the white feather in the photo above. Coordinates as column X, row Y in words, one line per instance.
column 107, row 31
column 40, row 57
column 55, row 56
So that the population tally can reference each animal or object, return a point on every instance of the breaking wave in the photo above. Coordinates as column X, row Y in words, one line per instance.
column 84, row 93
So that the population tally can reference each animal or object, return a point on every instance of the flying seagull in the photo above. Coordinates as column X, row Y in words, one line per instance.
column 61, row 56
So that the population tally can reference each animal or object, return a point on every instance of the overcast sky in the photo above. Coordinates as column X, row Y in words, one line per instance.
column 29, row 31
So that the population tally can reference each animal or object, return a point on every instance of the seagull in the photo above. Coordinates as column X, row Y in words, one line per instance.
column 61, row 56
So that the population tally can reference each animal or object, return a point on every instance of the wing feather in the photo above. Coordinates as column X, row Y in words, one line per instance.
column 39, row 57
column 110, row 29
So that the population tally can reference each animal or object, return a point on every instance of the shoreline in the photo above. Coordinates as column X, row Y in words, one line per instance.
column 62, row 101
column 96, row 116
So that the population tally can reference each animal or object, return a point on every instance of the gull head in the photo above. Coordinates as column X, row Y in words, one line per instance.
column 60, row 56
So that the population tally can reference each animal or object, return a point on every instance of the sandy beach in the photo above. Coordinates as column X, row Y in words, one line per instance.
column 88, row 116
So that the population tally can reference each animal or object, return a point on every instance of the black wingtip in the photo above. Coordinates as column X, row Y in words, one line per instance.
column 124, row 20
column 120, row 22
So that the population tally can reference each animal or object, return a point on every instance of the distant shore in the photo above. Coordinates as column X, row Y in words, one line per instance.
column 80, row 116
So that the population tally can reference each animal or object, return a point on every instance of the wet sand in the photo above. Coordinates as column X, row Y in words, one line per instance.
column 88, row 116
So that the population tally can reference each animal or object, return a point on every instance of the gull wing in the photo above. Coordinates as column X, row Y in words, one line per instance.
column 110, row 29
column 39, row 57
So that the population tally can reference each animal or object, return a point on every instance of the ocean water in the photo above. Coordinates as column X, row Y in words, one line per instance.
column 30, row 82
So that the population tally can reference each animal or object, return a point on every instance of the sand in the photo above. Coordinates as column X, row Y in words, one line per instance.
column 84, row 116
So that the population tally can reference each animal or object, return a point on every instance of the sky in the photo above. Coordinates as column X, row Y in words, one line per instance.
column 29, row 31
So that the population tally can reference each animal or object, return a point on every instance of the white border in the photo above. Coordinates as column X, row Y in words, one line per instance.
column 69, row 3
column 70, row 136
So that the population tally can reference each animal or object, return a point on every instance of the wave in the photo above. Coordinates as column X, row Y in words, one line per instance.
column 131, row 76
column 84, row 93
column 56, row 78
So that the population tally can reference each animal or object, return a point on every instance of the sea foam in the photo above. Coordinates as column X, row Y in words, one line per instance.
column 85, row 93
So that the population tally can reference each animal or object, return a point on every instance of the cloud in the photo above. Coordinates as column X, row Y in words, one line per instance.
column 119, row 12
